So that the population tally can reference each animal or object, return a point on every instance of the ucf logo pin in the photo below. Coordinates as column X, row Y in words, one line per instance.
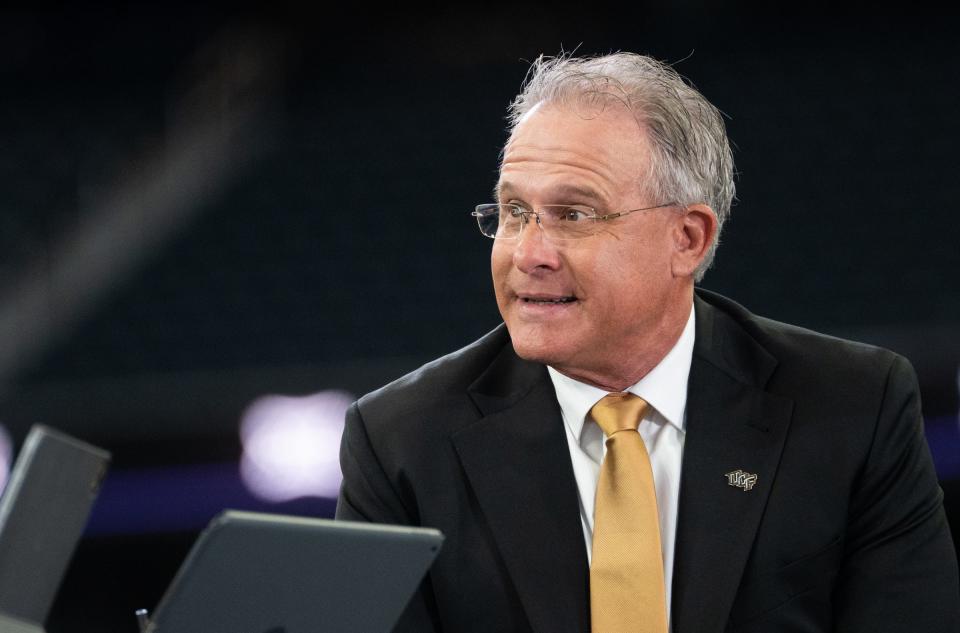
column 741, row 479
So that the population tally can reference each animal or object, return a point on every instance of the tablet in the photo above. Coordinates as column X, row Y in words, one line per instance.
column 43, row 511
column 265, row 573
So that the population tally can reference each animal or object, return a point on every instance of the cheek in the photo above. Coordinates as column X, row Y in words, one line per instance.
column 501, row 256
column 624, row 278
column 501, row 261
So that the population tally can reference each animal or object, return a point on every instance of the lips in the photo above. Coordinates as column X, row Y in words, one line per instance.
column 545, row 299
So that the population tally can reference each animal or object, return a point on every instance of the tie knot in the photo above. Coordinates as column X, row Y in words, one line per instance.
column 619, row 412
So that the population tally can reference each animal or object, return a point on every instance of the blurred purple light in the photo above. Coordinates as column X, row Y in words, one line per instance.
column 6, row 456
column 183, row 498
column 291, row 445
column 943, row 437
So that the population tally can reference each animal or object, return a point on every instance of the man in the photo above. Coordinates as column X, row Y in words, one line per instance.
column 784, row 473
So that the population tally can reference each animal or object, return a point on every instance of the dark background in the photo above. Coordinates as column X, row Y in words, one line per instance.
column 202, row 206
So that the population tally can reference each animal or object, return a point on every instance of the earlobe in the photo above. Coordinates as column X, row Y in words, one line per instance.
column 694, row 235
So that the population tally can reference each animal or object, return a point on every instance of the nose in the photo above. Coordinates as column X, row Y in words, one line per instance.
column 534, row 251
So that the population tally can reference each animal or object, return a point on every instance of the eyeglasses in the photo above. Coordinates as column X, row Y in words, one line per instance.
column 557, row 221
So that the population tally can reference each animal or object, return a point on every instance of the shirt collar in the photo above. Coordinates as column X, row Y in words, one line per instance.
column 664, row 387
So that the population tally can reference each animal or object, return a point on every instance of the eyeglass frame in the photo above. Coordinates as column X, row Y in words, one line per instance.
column 526, row 213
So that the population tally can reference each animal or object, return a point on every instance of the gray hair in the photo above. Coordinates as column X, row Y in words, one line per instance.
column 691, row 163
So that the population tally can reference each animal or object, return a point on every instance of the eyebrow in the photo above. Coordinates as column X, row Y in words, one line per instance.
column 505, row 189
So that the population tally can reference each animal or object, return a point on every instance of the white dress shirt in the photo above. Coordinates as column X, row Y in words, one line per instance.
column 662, row 429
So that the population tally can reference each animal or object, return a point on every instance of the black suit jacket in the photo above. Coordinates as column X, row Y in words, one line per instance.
column 844, row 529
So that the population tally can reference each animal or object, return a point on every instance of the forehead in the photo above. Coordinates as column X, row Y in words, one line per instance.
column 555, row 150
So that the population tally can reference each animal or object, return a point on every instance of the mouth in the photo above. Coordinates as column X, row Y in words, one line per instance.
column 542, row 307
column 557, row 300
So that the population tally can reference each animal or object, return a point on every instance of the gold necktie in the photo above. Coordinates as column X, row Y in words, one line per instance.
column 627, row 593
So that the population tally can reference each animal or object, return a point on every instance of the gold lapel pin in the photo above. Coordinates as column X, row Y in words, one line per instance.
column 741, row 479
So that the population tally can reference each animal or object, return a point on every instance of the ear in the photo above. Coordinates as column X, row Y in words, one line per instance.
column 693, row 234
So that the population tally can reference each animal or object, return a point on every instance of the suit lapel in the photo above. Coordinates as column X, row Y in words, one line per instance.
column 731, row 424
column 518, row 464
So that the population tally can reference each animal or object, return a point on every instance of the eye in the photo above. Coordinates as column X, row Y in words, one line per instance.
column 573, row 214
column 511, row 214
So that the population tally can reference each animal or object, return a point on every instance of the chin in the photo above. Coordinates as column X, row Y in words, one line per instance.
column 538, row 350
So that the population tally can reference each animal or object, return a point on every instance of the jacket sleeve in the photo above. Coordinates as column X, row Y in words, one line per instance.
column 368, row 495
column 900, row 566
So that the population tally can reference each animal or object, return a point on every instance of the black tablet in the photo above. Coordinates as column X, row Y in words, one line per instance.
column 264, row 573
column 43, row 511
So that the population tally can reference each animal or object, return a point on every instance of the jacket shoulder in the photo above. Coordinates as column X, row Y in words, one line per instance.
column 438, row 385
column 796, row 354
